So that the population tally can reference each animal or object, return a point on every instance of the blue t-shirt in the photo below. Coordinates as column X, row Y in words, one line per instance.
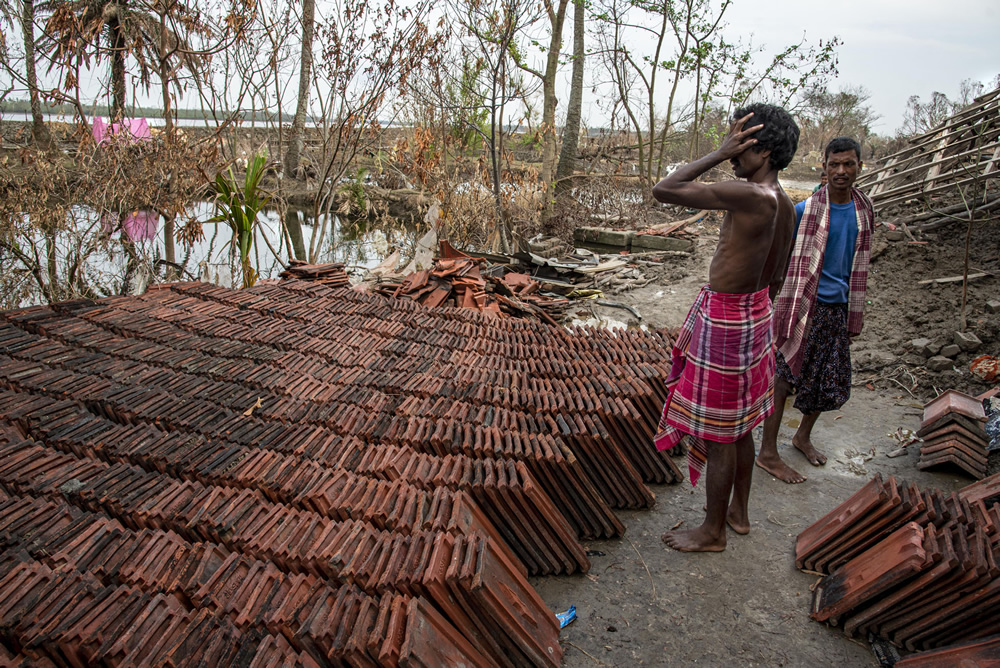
column 835, row 278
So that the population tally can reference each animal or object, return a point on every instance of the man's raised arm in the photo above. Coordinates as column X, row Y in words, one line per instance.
column 680, row 187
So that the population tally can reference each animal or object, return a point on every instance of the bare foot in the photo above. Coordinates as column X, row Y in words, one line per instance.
column 695, row 540
column 780, row 470
column 815, row 457
column 738, row 522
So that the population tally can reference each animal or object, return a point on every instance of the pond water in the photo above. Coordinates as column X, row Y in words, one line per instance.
column 353, row 244
column 210, row 258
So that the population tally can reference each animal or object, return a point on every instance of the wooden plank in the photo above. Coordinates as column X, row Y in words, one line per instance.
column 938, row 163
column 952, row 131
column 952, row 279
column 604, row 266
column 675, row 225
column 962, row 169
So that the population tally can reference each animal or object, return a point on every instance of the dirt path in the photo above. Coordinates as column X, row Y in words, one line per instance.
column 644, row 604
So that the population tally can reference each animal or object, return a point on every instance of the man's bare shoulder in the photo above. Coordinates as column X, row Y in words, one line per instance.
column 756, row 194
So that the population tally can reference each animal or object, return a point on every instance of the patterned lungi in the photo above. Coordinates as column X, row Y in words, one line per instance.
column 721, row 378
column 825, row 381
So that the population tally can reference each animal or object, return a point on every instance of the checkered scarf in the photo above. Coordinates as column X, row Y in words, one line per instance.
column 793, row 307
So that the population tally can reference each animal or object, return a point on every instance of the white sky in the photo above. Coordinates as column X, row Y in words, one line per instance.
column 894, row 48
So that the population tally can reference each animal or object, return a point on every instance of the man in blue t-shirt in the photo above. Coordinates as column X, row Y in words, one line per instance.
column 818, row 365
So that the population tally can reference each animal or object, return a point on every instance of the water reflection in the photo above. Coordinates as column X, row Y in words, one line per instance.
column 351, row 243
column 106, row 265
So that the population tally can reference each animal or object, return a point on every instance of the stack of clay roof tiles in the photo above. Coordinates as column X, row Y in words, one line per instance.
column 975, row 654
column 331, row 275
column 916, row 567
column 313, row 474
column 953, row 432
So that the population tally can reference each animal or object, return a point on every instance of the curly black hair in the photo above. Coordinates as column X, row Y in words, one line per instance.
column 780, row 134
column 842, row 145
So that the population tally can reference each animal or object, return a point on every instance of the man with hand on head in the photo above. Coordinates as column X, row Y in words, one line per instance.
column 821, row 307
column 721, row 379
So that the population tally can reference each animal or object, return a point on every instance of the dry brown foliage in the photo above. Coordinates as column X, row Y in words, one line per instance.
column 60, row 217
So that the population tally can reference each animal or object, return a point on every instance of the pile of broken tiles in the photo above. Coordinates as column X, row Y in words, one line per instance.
column 319, row 475
column 918, row 568
column 953, row 433
column 333, row 275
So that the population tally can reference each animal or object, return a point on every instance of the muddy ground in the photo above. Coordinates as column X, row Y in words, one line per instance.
column 644, row 604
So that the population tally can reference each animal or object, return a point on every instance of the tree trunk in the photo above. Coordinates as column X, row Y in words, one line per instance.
column 549, row 102
column 51, row 265
column 117, row 37
column 168, row 131
column 571, row 133
column 294, row 153
column 39, row 131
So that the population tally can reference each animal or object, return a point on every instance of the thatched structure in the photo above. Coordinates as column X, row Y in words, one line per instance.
column 962, row 151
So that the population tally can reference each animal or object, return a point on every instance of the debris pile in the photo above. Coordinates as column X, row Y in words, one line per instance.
column 961, row 152
column 222, row 473
column 915, row 567
column 459, row 282
column 953, row 432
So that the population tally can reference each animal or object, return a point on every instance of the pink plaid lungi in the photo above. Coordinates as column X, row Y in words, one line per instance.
column 721, row 379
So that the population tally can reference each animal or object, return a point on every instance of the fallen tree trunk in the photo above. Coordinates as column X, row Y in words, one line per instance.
column 934, row 214
column 964, row 216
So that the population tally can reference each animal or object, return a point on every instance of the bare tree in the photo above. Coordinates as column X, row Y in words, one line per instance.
column 920, row 116
column 489, row 82
column 555, row 14
column 826, row 114
column 369, row 54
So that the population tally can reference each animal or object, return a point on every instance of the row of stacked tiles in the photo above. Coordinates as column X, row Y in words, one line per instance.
column 303, row 614
column 917, row 567
column 337, row 494
column 134, row 403
column 266, row 334
column 518, row 509
column 316, row 304
column 610, row 398
column 295, row 542
column 877, row 509
column 513, row 391
column 279, row 466
column 645, row 393
column 185, row 409
column 920, row 587
column 954, row 434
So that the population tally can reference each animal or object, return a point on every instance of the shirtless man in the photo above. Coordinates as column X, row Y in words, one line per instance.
column 721, row 381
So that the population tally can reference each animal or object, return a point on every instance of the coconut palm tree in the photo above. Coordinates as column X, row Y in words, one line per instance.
column 150, row 33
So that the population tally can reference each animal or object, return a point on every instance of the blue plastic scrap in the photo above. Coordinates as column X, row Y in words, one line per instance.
column 566, row 618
